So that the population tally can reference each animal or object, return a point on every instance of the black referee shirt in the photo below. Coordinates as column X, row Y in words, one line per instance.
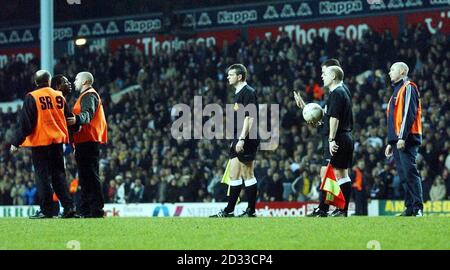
column 339, row 105
column 325, row 128
column 246, row 96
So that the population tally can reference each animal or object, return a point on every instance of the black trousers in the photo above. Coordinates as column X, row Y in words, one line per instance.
column 405, row 160
column 50, row 173
column 87, row 156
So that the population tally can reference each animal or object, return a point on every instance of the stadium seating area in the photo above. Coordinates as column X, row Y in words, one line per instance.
column 143, row 163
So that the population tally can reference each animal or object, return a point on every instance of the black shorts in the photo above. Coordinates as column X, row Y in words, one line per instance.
column 249, row 153
column 343, row 158
column 326, row 151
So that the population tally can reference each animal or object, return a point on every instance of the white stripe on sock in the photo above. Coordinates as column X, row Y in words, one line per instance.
column 237, row 182
column 344, row 180
column 250, row 182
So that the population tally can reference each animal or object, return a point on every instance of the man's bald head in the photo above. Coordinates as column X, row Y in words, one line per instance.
column 403, row 67
column 83, row 80
column 42, row 78
column 398, row 71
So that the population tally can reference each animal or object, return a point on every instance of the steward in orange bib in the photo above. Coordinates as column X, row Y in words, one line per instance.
column 43, row 127
column 92, row 131
column 404, row 120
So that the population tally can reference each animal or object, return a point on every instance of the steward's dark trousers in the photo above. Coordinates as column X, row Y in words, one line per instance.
column 50, row 173
column 87, row 156
column 405, row 160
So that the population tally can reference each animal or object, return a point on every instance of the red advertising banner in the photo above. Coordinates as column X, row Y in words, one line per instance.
column 437, row 21
column 20, row 54
column 151, row 44
column 304, row 33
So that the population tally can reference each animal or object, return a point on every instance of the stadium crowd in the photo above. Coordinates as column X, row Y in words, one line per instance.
column 142, row 162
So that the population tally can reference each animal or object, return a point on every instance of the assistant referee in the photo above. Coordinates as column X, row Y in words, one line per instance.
column 339, row 112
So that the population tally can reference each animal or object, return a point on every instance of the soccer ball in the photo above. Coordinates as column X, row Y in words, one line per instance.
column 312, row 112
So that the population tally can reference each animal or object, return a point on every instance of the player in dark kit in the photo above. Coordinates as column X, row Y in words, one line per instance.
column 245, row 144
column 324, row 125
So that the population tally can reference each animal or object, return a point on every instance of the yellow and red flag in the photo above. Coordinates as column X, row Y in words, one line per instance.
column 334, row 195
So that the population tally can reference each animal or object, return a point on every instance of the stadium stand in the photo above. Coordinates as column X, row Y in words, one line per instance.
column 143, row 163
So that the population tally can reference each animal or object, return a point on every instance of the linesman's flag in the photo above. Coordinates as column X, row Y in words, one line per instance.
column 334, row 195
column 226, row 178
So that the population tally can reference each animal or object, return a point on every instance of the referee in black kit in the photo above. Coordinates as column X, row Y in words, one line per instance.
column 322, row 209
column 339, row 112
column 243, row 149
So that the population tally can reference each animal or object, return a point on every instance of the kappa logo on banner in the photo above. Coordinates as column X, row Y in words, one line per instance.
column 237, row 17
column 339, row 8
column 165, row 211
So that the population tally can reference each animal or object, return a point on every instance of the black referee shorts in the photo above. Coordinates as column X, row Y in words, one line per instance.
column 343, row 158
column 249, row 153
column 326, row 151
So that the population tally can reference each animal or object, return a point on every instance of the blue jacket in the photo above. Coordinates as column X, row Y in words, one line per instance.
column 404, row 114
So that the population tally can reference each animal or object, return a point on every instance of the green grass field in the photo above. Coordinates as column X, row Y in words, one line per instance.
column 212, row 234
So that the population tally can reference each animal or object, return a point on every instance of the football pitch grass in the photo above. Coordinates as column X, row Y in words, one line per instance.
column 360, row 233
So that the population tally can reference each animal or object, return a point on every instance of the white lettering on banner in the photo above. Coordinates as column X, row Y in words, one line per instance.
column 271, row 13
column 172, row 45
column 339, row 8
column 62, row 33
column 142, row 26
column 112, row 28
column 440, row 24
column 287, row 11
column 14, row 37
column 281, row 212
column 304, row 10
column 27, row 36
column 204, row 19
column 439, row 2
column 3, row 60
column 306, row 36
column 84, row 31
column 237, row 17
column 378, row 6
column 413, row 3
column 23, row 57
column 3, row 38
column 18, row 211
column 206, row 209
column 98, row 29
column 189, row 20
column 396, row 4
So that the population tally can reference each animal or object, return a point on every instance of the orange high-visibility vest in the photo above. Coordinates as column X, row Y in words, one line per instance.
column 96, row 130
column 399, row 108
column 358, row 183
column 51, row 125
column 73, row 186
column 54, row 197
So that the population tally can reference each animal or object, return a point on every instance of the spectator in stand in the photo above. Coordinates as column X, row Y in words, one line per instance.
column 30, row 193
column 137, row 192
column 438, row 191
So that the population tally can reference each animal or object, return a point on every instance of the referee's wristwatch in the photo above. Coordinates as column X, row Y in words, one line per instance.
column 330, row 140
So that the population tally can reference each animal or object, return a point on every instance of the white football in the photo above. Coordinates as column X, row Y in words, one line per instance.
column 312, row 112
